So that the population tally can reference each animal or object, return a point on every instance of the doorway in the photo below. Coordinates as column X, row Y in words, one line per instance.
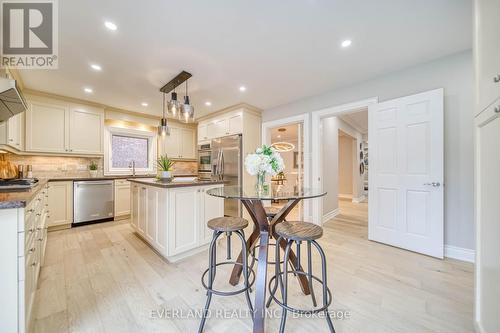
column 290, row 137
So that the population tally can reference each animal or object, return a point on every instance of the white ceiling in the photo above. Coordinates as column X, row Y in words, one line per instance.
column 289, row 135
column 358, row 120
column 281, row 50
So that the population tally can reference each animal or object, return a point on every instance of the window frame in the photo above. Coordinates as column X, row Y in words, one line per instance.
column 108, row 151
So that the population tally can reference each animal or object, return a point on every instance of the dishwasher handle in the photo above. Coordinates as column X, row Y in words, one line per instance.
column 94, row 182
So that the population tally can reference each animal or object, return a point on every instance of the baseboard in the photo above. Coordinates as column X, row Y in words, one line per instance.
column 459, row 253
column 344, row 196
column 359, row 199
column 331, row 215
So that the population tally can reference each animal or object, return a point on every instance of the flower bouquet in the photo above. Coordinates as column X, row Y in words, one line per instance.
column 265, row 160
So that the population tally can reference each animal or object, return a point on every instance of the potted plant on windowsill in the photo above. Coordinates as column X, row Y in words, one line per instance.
column 93, row 169
column 165, row 167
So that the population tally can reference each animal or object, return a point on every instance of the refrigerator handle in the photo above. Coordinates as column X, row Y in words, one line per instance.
column 217, row 169
column 222, row 163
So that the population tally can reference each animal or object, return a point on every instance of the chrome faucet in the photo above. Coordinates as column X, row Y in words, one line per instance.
column 132, row 166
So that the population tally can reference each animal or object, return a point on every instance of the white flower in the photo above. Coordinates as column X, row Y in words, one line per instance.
column 258, row 162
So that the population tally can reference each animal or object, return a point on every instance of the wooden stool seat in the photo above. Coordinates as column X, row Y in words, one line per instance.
column 227, row 224
column 299, row 231
column 271, row 211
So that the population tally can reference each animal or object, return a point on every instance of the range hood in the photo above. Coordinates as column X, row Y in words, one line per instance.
column 11, row 100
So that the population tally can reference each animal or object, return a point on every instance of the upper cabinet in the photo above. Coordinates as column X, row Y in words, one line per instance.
column 487, row 53
column 64, row 128
column 12, row 132
column 180, row 144
column 227, row 124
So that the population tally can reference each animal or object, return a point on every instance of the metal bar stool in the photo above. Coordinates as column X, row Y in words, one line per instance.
column 299, row 232
column 226, row 225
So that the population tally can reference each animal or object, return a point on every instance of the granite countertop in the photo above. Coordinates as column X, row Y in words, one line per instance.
column 20, row 198
column 156, row 183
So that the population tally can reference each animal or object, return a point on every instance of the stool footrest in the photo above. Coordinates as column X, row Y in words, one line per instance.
column 228, row 293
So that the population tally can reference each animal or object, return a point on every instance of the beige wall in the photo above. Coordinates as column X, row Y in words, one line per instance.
column 345, row 165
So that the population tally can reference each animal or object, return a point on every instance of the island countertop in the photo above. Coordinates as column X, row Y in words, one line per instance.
column 174, row 184
column 20, row 198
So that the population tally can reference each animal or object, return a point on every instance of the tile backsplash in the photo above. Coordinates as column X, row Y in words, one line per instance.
column 69, row 166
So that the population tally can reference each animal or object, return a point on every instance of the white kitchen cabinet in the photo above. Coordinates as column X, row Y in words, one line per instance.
column 134, row 205
column 211, row 207
column 180, row 144
column 221, row 127
column 235, row 124
column 22, row 242
column 142, row 214
column 15, row 126
column 86, row 129
column 188, row 145
column 60, row 203
column 202, row 132
column 174, row 218
column 47, row 128
column 487, row 52
column 184, row 205
column 64, row 128
column 230, row 123
column 122, row 198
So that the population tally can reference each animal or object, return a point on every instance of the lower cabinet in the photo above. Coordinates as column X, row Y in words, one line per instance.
column 122, row 198
column 174, row 220
column 60, row 203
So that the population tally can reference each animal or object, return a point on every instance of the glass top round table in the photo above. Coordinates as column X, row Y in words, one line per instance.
column 250, row 193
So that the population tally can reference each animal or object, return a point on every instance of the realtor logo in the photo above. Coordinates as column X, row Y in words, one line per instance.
column 29, row 34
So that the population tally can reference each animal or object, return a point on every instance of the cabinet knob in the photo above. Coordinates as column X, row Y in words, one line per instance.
column 33, row 264
column 11, row 140
column 496, row 79
column 497, row 109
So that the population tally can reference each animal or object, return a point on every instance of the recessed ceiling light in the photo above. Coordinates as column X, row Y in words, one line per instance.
column 110, row 25
column 243, row 88
column 346, row 43
column 96, row 67
column 88, row 90
column 144, row 104
column 208, row 103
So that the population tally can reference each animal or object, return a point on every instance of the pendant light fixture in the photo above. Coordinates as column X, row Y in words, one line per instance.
column 187, row 110
column 173, row 106
column 163, row 128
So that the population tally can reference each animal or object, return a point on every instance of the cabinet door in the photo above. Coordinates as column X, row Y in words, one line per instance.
column 187, row 143
column 202, row 132
column 211, row 130
column 142, row 214
column 14, row 135
column 152, row 214
column 134, row 205
column 183, row 220
column 487, row 222
column 236, row 124
column 211, row 207
column 122, row 199
column 487, row 52
column 47, row 127
column 85, row 130
column 170, row 143
column 60, row 203
column 222, row 127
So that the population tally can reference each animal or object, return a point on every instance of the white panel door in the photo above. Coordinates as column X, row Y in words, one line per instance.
column 152, row 214
column 134, row 205
column 60, row 203
column 236, row 124
column 210, row 208
column 487, row 219
column 142, row 214
column 171, row 143
column 406, row 173
column 183, row 216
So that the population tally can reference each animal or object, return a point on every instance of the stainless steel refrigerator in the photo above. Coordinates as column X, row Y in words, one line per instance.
column 227, row 165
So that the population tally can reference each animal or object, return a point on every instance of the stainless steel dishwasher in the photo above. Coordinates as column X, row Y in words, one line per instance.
column 93, row 201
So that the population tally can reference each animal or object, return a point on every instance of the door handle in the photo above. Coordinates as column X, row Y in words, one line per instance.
column 433, row 184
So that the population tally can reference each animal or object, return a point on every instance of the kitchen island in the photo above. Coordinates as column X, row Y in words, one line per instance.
column 172, row 217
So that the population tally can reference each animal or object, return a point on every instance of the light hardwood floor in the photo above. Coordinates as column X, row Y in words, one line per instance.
column 102, row 278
